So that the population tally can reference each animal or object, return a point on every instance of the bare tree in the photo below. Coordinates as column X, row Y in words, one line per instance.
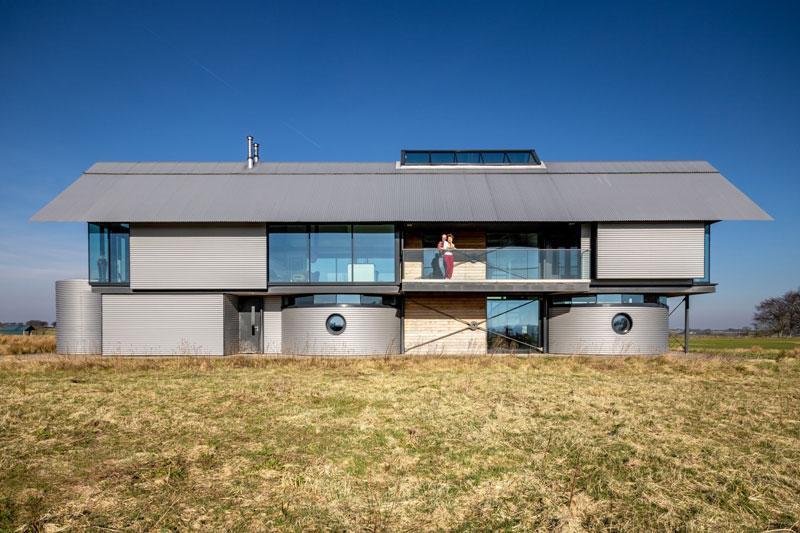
column 779, row 315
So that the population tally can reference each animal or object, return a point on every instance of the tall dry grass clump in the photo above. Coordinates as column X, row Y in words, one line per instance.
column 27, row 344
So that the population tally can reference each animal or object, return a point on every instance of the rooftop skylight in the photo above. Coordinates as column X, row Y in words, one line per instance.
column 469, row 157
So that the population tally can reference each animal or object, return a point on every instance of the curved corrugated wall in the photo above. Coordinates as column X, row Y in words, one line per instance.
column 369, row 331
column 586, row 329
column 78, row 318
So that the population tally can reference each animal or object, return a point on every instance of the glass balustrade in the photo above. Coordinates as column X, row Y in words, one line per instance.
column 502, row 263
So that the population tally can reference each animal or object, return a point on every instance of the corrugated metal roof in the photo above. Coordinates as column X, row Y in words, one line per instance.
column 367, row 192
column 553, row 167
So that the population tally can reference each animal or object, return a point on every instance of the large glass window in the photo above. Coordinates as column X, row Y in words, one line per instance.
column 512, row 324
column 332, row 253
column 109, row 254
column 374, row 253
column 288, row 254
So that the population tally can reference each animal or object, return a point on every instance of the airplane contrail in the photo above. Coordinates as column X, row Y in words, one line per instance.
column 224, row 82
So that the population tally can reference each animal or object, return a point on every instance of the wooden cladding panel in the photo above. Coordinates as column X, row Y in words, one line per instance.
column 412, row 241
column 424, row 322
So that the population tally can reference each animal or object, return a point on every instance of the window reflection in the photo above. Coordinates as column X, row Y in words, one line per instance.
column 339, row 299
column 374, row 253
column 288, row 254
column 98, row 253
column 332, row 253
column 616, row 298
column 512, row 324
column 109, row 254
column 512, row 256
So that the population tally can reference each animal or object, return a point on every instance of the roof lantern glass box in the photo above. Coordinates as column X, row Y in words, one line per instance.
column 469, row 157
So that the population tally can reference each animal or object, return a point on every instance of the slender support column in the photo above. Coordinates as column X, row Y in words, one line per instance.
column 686, row 324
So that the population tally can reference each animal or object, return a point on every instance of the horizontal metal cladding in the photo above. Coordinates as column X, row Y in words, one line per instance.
column 163, row 324
column 587, row 329
column 198, row 256
column 78, row 317
column 272, row 324
column 651, row 251
column 379, row 192
column 369, row 331
column 586, row 249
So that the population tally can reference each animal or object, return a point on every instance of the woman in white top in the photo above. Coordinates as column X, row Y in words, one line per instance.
column 449, row 261
column 440, row 246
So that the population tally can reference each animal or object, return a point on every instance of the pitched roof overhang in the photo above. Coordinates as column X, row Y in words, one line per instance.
column 385, row 192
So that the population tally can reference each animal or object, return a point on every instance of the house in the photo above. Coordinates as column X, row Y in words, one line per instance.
column 344, row 258
column 17, row 329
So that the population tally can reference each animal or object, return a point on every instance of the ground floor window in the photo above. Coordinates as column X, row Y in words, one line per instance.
column 592, row 299
column 513, row 324
column 309, row 300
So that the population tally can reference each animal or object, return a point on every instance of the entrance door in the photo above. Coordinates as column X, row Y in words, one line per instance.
column 250, row 324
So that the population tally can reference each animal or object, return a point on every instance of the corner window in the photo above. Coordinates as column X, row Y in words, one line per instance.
column 706, row 256
column 109, row 254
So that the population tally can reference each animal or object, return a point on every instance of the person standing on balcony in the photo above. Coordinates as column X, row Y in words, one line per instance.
column 440, row 246
column 449, row 260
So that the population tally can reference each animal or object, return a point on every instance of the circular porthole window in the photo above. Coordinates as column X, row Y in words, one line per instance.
column 621, row 323
column 335, row 324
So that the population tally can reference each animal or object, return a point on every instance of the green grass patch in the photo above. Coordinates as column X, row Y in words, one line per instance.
column 752, row 346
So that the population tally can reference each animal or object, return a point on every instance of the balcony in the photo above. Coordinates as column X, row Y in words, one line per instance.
column 514, row 269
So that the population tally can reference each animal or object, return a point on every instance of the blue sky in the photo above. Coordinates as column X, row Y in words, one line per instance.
column 338, row 81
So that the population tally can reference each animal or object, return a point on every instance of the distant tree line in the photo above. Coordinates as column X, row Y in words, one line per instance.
column 779, row 315
column 33, row 323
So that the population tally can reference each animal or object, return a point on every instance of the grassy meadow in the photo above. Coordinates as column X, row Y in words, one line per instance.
column 745, row 346
column 251, row 443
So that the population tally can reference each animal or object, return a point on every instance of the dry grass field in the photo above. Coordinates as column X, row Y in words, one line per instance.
column 27, row 344
column 400, row 444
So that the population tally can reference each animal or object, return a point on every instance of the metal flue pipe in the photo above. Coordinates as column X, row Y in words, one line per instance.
column 250, row 151
column 255, row 153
